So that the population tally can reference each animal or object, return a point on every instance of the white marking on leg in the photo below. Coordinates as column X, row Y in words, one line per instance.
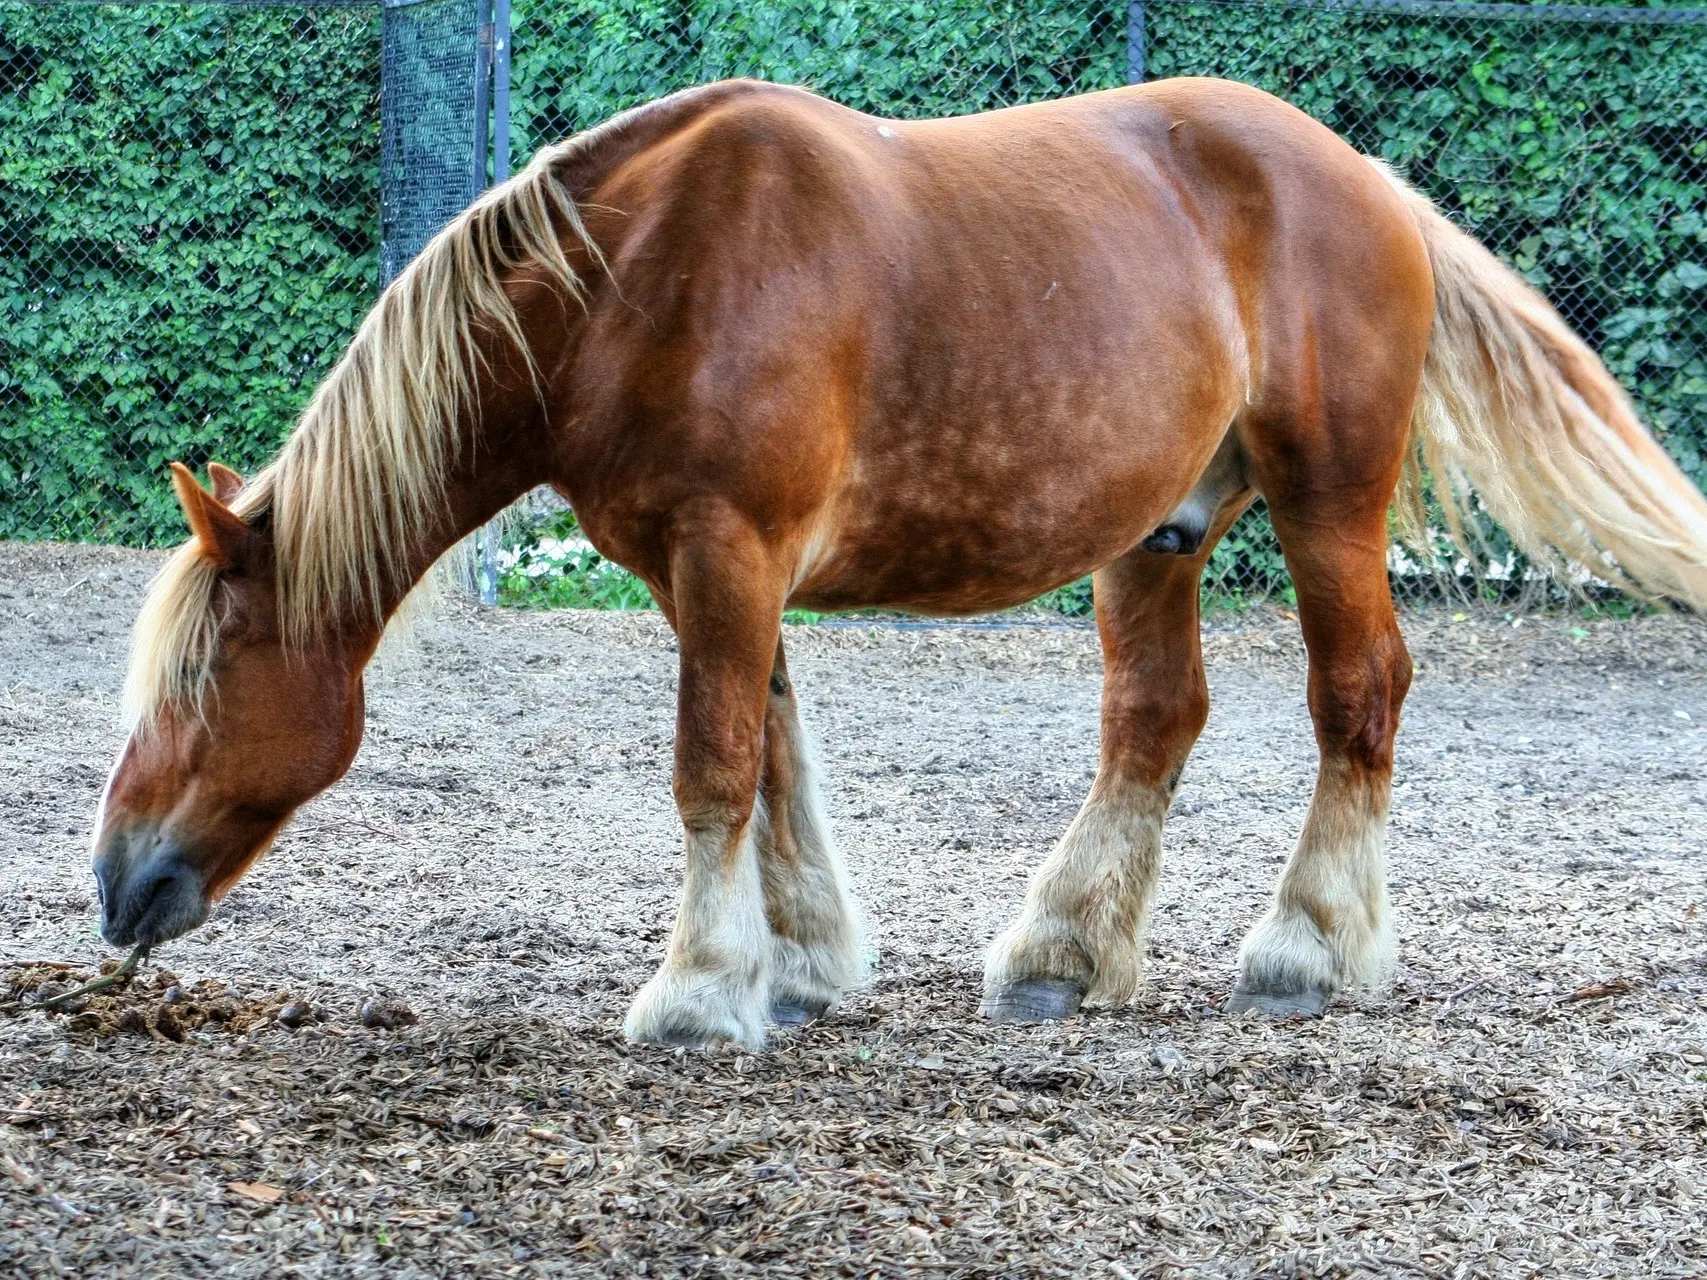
column 1328, row 928
column 714, row 984
column 817, row 933
column 1088, row 905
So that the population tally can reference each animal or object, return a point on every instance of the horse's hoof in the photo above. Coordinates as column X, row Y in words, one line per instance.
column 1307, row 1003
column 1033, row 1000
column 789, row 1014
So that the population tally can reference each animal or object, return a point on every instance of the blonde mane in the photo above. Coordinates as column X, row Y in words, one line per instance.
column 363, row 475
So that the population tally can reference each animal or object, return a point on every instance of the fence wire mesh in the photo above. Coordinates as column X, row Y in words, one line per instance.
column 432, row 120
column 578, row 63
column 1572, row 141
column 189, row 233
column 191, row 221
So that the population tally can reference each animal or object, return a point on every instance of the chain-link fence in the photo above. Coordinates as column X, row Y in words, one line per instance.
column 198, row 203
column 189, row 233
column 1572, row 141
column 191, row 220
column 578, row 63
column 433, row 114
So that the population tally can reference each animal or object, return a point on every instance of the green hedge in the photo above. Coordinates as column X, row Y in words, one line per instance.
column 579, row 61
column 188, row 194
column 1576, row 149
column 189, row 224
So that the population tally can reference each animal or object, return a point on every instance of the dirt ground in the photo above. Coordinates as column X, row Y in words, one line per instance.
column 502, row 860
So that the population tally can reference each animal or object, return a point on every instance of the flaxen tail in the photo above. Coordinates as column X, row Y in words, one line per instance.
column 1515, row 407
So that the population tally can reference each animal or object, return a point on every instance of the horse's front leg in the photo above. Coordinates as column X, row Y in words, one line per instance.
column 726, row 593
column 816, row 947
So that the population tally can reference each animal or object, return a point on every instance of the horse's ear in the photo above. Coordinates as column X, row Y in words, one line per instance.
column 224, row 537
column 227, row 484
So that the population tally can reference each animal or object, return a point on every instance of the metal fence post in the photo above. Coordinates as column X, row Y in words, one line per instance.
column 486, row 569
column 495, row 47
column 501, row 91
column 432, row 150
column 482, row 96
column 1135, row 42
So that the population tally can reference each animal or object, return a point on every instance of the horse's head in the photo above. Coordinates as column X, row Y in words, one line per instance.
column 235, row 731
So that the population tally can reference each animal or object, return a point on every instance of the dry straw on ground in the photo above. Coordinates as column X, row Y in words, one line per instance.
column 1526, row 1100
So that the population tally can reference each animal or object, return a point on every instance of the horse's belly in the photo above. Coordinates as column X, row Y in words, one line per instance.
column 1035, row 403
column 975, row 537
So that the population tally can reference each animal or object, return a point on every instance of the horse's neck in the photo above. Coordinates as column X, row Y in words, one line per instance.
column 499, row 459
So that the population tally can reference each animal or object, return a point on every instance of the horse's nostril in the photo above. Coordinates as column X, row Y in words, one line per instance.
column 148, row 898
column 156, row 882
column 108, row 869
column 145, row 891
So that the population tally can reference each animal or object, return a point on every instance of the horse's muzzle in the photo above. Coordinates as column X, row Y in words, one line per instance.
column 149, row 891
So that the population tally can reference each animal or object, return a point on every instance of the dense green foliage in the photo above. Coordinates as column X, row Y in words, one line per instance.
column 189, row 224
column 188, row 194
column 546, row 563
column 1577, row 149
column 578, row 62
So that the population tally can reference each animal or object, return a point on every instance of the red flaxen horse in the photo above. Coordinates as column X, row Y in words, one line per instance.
column 776, row 352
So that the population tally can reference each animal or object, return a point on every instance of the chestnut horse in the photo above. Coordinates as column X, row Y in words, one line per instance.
column 776, row 352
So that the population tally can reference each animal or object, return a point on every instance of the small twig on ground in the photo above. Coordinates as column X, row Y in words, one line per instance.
column 335, row 823
column 1386, row 1262
column 1598, row 991
column 112, row 979
column 1462, row 991
column 1249, row 1195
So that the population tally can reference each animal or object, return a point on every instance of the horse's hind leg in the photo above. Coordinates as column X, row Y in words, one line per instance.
column 1080, row 935
column 1328, row 927
column 725, row 598
column 816, row 950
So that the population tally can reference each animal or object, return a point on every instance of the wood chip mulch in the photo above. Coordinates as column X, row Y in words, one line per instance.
column 180, row 1131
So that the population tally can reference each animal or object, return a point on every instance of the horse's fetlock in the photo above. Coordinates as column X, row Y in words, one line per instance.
column 1028, row 951
column 1289, row 952
column 815, row 975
